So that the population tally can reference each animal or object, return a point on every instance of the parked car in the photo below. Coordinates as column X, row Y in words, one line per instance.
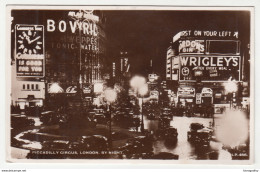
column 151, row 116
column 170, row 135
column 137, row 146
column 49, row 118
column 100, row 118
column 164, row 122
column 94, row 143
column 199, row 135
column 21, row 121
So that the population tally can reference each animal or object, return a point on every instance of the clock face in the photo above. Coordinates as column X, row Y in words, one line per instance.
column 29, row 41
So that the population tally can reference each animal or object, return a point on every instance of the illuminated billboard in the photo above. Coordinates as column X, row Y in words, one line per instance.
column 29, row 50
column 192, row 46
column 209, row 68
column 29, row 67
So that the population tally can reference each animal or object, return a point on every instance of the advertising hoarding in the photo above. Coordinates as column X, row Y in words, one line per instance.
column 186, row 92
column 154, row 95
column 210, row 68
column 29, row 67
column 191, row 46
column 29, row 50
column 170, row 54
column 29, row 40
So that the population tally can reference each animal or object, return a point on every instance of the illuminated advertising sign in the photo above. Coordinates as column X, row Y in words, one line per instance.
column 206, row 92
column 154, row 95
column 114, row 70
column 212, row 68
column 191, row 47
column 29, row 40
column 169, row 56
column 71, row 89
column 198, row 98
column 186, row 92
column 221, row 34
column 29, row 50
column 29, row 67
column 152, row 77
column 79, row 32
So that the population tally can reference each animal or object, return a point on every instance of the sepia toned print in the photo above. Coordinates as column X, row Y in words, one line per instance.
column 105, row 83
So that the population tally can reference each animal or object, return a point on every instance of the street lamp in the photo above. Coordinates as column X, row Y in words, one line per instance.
column 140, row 86
column 143, row 91
column 137, row 82
column 230, row 87
column 110, row 97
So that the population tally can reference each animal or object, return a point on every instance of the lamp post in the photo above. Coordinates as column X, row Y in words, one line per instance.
column 230, row 88
column 110, row 97
column 142, row 91
column 140, row 86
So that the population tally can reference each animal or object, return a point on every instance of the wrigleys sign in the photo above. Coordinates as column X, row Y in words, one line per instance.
column 209, row 61
column 212, row 68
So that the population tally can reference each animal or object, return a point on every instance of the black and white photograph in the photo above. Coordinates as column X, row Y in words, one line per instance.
column 130, row 83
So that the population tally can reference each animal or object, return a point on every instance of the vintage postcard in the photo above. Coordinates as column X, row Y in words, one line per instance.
column 171, row 84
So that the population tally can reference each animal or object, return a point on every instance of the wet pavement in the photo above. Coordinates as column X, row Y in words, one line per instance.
column 183, row 148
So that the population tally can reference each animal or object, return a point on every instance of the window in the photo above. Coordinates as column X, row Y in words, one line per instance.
column 32, row 86
column 23, row 86
column 28, row 86
column 37, row 87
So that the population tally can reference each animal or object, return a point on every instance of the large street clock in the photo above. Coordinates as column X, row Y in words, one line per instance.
column 29, row 40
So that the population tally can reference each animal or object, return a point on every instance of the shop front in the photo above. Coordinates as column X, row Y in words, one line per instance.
column 186, row 95
column 30, row 101
column 206, row 96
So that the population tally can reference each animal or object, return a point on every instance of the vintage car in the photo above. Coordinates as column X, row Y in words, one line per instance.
column 49, row 118
column 151, row 116
column 21, row 121
column 137, row 146
column 169, row 135
column 199, row 135
column 164, row 122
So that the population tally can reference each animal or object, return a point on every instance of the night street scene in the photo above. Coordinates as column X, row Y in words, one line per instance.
column 130, row 84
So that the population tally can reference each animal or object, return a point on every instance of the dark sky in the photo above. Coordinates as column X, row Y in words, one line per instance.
column 147, row 34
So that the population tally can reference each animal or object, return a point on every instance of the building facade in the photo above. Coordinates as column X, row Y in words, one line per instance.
column 208, row 68
column 66, row 48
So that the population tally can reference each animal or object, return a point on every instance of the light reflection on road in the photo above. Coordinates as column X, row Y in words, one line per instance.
column 28, row 144
column 183, row 148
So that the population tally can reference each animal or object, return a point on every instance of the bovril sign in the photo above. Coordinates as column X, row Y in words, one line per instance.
column 85, row 21
column 63, row 26
column 79, row 31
